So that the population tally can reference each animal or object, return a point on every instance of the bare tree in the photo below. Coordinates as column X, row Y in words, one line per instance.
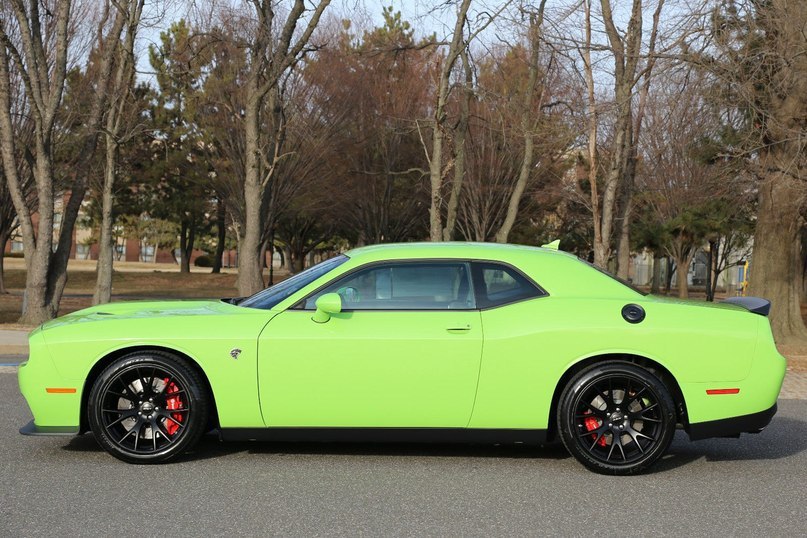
column 626, row 51
column 272, row 55
column 120, row 91
column 528, row 122
column 437, row 170
column 35, row 48
column 442, row 130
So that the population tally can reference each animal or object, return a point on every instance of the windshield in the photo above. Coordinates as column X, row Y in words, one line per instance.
column 270, row 297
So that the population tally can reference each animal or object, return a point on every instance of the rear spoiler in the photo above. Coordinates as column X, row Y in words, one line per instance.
column 757, row 305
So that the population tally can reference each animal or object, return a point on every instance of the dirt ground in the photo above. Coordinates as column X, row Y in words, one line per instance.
column 142, row 281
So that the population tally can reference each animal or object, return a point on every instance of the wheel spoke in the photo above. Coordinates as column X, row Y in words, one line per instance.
column 165, row 433
column 142, row 378
column 151, row 381
column 618, row 440
column 649, row 419
column 646, row 409
column 126, row 387
column 121, row 395
column 611, row 391
column 599, row 435
column 591, row 412
column 602, row 395
column 633, row 436
column 138, row 427
column 608, row 458
column 167, row 416
column 124, row 415
column 127, row 434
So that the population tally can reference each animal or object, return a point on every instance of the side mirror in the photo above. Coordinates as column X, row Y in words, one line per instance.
column 327, row 305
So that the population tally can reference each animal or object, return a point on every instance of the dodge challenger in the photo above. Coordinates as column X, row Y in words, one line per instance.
column 447, row 342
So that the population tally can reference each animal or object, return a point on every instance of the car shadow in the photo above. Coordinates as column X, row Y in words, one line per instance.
column 211, row 447
column 784, row 437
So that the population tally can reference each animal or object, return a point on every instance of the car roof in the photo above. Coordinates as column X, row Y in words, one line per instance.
column 452, row 249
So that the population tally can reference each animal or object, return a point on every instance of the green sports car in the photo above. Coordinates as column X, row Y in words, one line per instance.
column 440, row 342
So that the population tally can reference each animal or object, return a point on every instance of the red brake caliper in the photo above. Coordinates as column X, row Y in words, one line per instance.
column 174, row 402
column 592, row 424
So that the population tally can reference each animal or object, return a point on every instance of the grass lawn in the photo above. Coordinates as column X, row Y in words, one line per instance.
column 130, row 281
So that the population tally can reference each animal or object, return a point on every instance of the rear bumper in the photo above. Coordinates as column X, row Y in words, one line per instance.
column 734, row 426
column 33, row 429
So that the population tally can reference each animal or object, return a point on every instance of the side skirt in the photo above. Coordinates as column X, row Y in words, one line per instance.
column 386, row 435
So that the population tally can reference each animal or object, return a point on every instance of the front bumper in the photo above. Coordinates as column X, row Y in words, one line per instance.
column 33, row 429
column 54, row 400
column 732, row 427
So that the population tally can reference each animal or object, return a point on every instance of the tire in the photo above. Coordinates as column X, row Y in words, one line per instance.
column 148, row 407
column 616, row 418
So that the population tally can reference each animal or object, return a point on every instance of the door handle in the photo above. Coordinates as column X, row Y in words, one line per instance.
column 458, row 328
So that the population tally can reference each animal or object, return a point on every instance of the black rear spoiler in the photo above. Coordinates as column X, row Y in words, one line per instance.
column 757, row 305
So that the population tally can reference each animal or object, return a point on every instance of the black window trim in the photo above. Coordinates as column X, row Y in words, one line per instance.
column 300, row 305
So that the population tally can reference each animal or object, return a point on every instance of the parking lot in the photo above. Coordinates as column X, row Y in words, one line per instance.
column 68, row 486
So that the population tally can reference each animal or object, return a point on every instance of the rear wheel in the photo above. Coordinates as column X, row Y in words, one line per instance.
column 616, row 418
column 148, row 407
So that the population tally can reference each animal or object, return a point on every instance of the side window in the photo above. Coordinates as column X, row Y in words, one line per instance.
column 404, row 286
column 498, row 284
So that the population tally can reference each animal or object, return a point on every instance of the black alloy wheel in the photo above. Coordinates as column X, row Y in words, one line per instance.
column 616, row 418
column 148, row 407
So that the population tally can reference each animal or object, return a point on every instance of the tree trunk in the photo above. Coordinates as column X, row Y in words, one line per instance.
column 250, row 277
column 461, row 132
column 436, row 170
column 656, row 283
column 669, row 275
column 264, row 247
column 600, row 256
column 221, row 234
column 272, row 256
column 4, row 237
column 103, row 268
column 710, row 285
column 187, row 238
column 682, row 274
column 623, row 248
column 776, row 265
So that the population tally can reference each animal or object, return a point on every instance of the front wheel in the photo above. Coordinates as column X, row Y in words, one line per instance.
column 616, row 418
column 148, row 407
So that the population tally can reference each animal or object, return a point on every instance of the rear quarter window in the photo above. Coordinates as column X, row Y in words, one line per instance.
column 498, row 284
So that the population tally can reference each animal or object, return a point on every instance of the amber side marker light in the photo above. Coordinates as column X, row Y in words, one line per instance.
column 58, row 390
column 713, row 392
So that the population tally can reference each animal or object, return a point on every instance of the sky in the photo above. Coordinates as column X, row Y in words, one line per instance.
column 425, row 16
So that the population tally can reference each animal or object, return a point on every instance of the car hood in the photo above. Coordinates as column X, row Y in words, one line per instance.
column 142, row 309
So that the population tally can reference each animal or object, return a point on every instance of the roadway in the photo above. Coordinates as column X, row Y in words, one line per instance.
column 61, row 486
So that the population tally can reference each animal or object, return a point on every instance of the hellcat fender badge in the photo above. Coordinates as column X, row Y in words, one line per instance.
column 234, row 353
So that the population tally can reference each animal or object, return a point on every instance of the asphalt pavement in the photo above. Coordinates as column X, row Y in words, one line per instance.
column 62, row 486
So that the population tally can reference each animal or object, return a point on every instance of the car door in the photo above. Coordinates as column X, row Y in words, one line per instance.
column 404, row 352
